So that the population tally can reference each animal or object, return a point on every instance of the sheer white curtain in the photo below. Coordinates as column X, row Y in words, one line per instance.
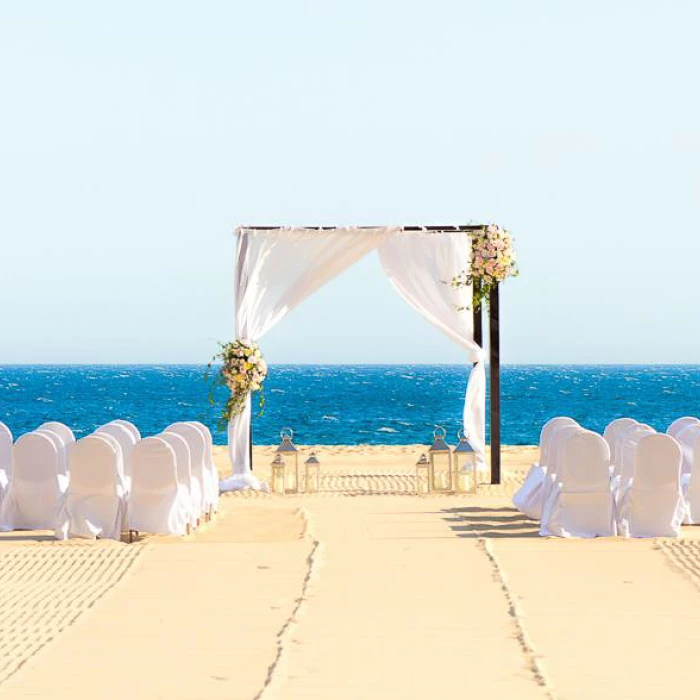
column 420, row 266
column 277, row 270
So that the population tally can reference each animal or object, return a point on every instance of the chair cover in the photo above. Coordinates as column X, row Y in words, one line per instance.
column 158, row 503
column 129, row 426
column 617, row 439
column 528, row 498
column 686, row 439
column 126, row 441
column 197, row 444
column 61, row 446
column 680, row 424
column 627, row 449
column 33, row 496
column 582, row 503
column 210, row 471
column 652, row 505
column 184, row 471
column 554, row 457
column 614, row 428
column 63, row 431
column 691, row 484
column 94, row 504
column 5, row 459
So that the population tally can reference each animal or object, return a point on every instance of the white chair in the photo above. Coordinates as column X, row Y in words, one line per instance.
column 183, row 462
column 617, row 439
column 691, row 485
column 652, row 505
column 681, row 423
column 61, row 446
column 126, row 441
column 614, row 429
column 528, row 498
column 36, row 487
column 94, row 504
column 582, row 503
column 627, row 448
column 128, row 426
column 63, row 431
column 686, row 439
column 554, row 456
column 158, row 503
column 211, row 471
column 5, row 459
column 197, row 444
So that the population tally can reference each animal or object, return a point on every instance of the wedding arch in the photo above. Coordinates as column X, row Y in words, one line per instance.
column 277, row 268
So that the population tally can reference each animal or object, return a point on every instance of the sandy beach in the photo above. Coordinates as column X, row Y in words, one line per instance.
column 362, row 590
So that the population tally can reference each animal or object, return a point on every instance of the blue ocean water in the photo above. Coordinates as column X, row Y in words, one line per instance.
column 348, row 404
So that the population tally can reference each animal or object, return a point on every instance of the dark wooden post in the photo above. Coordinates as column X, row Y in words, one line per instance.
column 495, row 367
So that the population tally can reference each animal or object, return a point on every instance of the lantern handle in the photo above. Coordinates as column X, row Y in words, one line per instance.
column 437, row 430
column 286, row 432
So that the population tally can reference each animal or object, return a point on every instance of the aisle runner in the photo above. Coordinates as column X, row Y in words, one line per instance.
column 43, row 590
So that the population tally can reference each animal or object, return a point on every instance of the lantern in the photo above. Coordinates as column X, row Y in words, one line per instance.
column 440, row 461
column 277, row 478
column 289, row 450
column 312, row 473
column 464, row 465
column 423, row 480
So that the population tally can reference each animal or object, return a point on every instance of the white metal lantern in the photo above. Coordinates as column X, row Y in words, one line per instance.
column 277, row 477
column 465, row 466
column 289, row 450
column 312, row 474
column 440, row 461
column 423, row 480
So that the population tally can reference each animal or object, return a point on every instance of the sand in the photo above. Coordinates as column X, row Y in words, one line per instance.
column 363, row 591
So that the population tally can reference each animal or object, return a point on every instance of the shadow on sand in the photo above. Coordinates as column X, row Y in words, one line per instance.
column 473, row 522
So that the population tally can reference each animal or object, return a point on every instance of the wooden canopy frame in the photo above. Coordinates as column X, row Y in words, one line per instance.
column 478, row 319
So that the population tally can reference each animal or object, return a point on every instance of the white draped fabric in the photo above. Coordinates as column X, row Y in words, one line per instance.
column 276, row 270
column 421, row 267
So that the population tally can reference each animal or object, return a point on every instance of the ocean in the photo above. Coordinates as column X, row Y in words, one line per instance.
column 348, row 404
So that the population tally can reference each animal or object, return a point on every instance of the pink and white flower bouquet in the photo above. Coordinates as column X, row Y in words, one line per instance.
column 243, row 370
column 493, row 261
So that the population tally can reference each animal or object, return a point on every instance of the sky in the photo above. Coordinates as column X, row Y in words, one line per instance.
column 134, row 137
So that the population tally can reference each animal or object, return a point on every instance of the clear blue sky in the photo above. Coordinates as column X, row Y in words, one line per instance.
column 135, row 135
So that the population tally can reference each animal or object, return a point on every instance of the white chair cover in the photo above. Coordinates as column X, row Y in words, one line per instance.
column 197, row 444
column 528, row 498
column 61, row 446
column 63, row 431
column 554, row 457
column 582, row 503
column 627, row 450
column 210, row 471
column 617, row 440
column 129, row 426
column 680, row 424
column 158, row 503
column 36, row 488
column 183, row 462
column 5, row 459
column 614, row 428
column 691, row 485
column 126, row 441
column 686, row 439
column 94, row 504
column 653, row 505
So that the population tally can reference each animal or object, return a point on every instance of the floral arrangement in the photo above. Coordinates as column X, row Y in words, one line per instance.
column 243, row 370
column 493, row 261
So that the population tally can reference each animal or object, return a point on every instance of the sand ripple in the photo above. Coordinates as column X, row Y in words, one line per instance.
column 45, row 589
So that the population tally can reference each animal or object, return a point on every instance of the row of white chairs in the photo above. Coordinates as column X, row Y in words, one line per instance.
column 631, row 481
column 107, row 482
